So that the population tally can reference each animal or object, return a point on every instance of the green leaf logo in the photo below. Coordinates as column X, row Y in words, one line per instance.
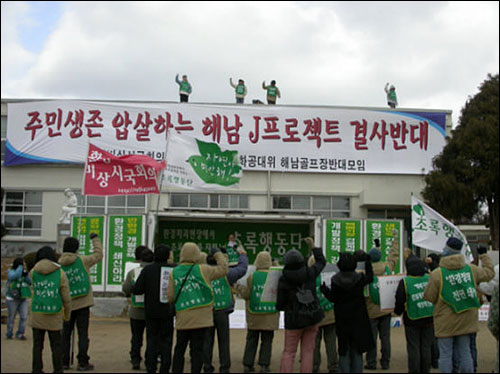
column 215, row 166
column 418, row 209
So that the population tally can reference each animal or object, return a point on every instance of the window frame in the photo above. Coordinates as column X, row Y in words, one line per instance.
column 23, row 214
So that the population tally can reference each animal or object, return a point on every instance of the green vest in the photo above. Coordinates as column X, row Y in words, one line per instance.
column 137, row 300
column 373, row 287
column 78, row 278
column 326, row 304
column 232, row 255
column 196, row 292
column 416, row 306
column 458, row 289
column 271, row 91
column 392, row 96
column 23, row 286
column 184, row 87
column 222, row 293
column 240, row 89
column 256, row 305
column 46, row 296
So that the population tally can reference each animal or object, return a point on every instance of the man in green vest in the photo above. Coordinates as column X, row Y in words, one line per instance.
column 379, row 320
column 392, row 99
column 452, row 288
column 272, row 92
column 262, row 317
column 223, row 306
column 185, row 88
column 143, row 256
column 51, row 305
column 189, row 288
column 417, row 315
column 240, row 90
column 77, row 269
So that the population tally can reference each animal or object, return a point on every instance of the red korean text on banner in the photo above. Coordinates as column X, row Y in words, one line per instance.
column 106, row 174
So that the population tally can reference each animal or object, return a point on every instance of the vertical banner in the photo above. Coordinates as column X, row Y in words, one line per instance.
column 382, row 230
column 341, row 235
column 81, row 227
column 125, row 234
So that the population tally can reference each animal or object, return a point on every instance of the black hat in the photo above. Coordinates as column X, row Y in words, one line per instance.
column 71, row 244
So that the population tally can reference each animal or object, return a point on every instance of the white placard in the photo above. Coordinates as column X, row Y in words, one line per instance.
column 270, row 291
column 164, row 280
column 388, row 285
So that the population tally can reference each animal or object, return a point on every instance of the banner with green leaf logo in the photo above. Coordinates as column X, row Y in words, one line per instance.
column 198, row 165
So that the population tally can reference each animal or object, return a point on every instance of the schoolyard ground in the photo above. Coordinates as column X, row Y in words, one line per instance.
column 110, row 346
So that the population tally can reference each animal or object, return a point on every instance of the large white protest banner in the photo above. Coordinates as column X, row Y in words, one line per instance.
column 274, row 138
column 198, row 165
column 430, row 230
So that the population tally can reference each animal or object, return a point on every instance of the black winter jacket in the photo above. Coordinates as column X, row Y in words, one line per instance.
column 351, row 316
column 148, row 284
column 295, row 275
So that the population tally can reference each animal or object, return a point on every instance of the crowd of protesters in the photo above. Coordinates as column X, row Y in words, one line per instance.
column 438, row 297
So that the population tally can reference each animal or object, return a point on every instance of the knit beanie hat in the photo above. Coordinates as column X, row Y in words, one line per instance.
column 375, row 254
column 71, row 244
column 453, row 247
column 346, row 262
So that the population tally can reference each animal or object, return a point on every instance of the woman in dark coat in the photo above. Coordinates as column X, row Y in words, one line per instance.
column 353, row 325
column 297, row 274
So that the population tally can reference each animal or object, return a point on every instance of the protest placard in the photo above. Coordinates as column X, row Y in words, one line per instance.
column 388, row 285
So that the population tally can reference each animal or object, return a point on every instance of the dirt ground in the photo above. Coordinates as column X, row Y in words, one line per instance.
column 110, row 344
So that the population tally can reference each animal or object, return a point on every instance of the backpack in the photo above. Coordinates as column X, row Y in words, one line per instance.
column 306, row 310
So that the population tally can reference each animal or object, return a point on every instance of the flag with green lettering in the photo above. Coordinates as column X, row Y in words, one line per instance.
column 200, row 165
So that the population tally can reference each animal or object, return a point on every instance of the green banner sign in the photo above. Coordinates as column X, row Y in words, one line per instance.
column 81, row 227
column 277, row 238
column 382, row 230
column 341, row 236
column 125, row 234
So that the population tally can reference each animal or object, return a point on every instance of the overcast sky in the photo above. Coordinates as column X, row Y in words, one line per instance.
column 320, row 53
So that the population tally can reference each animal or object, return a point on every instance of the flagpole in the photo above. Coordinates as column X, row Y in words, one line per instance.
column 155, row 223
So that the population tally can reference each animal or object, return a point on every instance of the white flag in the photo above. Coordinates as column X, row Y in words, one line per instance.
column 198, row 165
column 431, row 230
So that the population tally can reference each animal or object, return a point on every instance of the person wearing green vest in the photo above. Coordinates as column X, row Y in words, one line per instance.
column 380, row 321
column 189, row 288
column 223, row 306
column 452, row 288
column 143, row 256
column 77, row 269
column 327, row 328
column 51, row 305
column 417, row 315
column 185, row 88
column 233, row 249
column 262, row 318
column 392, row 99
column 272, row 92
column 17, row 294
column 240, row 90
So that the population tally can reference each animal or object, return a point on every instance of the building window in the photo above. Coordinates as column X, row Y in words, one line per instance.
column 208, row 201
column 22, row 213
column 125, row 204
column 326, row 206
